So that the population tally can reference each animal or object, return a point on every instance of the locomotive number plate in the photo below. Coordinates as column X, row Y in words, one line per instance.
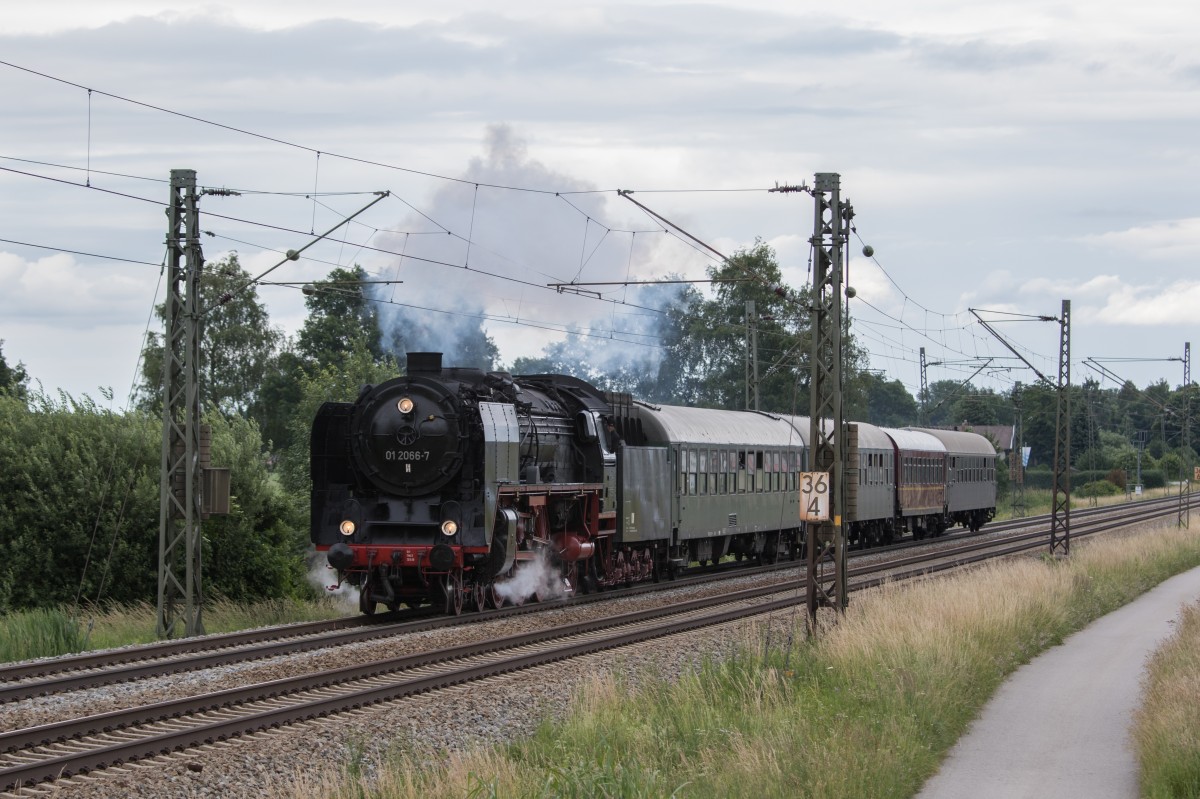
column 406, row 455
column 814, row 496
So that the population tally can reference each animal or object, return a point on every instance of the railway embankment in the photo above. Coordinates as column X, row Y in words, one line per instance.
column 870, row 708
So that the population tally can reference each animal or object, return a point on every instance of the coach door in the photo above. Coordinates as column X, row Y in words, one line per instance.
column 643, row 494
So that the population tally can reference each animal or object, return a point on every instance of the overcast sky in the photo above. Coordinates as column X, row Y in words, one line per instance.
column 1004, row 157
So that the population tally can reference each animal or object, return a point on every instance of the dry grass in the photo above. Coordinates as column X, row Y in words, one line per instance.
column 1167, row 727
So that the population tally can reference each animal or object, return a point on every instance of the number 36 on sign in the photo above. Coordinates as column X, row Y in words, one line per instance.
column 814, row 496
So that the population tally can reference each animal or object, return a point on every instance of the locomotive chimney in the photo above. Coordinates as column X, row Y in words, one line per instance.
column 424, row 363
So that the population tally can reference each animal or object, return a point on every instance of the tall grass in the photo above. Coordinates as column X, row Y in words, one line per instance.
column 869, row 708
column 25, row 635
column 39, row 633
column 1167, row 726
column 1039, row 501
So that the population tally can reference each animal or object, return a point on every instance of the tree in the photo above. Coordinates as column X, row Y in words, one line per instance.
column 278, row 397
column 704, row 347
column 888, row 403
column 237, row 342
column 341, row 319
column 14, row 380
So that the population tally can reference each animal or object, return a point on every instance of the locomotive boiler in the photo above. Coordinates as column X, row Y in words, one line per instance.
column 437, row 484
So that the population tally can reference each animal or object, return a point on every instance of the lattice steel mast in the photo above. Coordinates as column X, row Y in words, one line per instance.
column 1017, row 467
column 1185, row 483
column 1060, row 522
column 180, row 593
column 826, row 542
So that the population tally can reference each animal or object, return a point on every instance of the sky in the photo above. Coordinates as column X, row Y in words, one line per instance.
column 1001, row 157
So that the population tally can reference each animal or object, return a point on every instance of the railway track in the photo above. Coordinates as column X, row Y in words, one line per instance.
column 93, row 670
column 74, row 746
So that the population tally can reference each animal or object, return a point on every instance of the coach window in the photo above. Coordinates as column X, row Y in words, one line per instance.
column 741, row 472
column 683, row 471
column 703, row 475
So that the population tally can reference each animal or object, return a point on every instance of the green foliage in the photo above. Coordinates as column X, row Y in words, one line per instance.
column 237, row 342
column 1171, row 465
column 1099, row 488
column 79, row 509
column 14, row 380
column 341, row 319
column 258, row 549
column 339, row 381
column 888, row 402
column 78, row 485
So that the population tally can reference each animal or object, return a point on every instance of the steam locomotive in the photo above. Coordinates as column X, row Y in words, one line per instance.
column 469, row 489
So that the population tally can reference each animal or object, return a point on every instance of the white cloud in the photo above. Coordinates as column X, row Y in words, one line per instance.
column 59, row 291
column 1147, row 306
column 1173, row 239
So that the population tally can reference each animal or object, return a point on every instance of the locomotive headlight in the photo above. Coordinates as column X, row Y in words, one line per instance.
column 347, row 527
column 405, row 405
column 449, row 527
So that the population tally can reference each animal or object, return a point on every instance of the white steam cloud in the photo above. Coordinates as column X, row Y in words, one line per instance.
column 532, row 577
column 477, row 261
column 324, row 578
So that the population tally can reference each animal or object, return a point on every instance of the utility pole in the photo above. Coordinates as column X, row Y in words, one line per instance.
column 1185, row 482
column 751, row 357
column 180, row 588
column 826, row 543
column 1016, row 469
column 1060, row 522
column 924, row 392
column 1090, row 398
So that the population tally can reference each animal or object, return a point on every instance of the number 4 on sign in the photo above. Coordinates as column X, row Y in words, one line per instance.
column 814, row 496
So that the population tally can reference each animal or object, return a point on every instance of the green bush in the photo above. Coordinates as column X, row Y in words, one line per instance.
column 1099, row 488
column 79, row 509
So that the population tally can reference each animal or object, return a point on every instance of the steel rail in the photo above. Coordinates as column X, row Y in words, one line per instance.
column 77, row 672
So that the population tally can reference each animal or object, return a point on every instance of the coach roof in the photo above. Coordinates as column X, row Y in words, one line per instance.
column 674, row 424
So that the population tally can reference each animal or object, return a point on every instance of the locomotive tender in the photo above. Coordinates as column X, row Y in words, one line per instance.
column 443, row 485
